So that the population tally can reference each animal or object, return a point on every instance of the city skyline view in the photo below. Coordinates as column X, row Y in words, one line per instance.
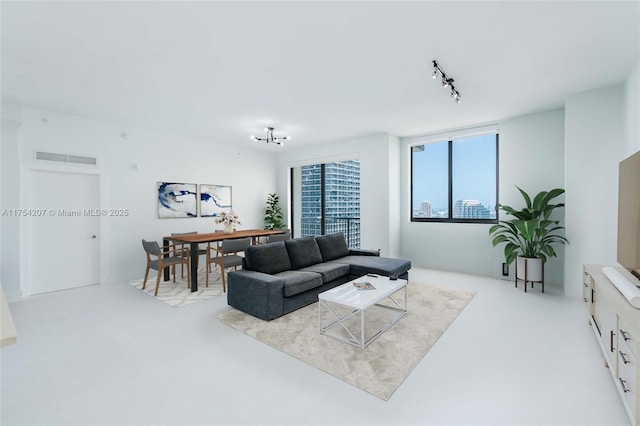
column 341, row 200
column 473, row 173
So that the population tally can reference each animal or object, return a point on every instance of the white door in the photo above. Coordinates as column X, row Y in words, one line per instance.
column 63, row 248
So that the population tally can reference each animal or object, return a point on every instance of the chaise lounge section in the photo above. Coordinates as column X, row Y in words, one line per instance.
column 281, row 277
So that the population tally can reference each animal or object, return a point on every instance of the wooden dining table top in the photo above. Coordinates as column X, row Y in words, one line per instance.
column 219, row 236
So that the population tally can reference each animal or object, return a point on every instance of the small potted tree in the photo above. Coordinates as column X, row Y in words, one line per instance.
column 529, row 236
column 273, row 214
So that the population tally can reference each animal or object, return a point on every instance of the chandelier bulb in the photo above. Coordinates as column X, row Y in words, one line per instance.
column 435, row 74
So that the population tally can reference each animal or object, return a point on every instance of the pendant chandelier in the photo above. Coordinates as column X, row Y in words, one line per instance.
column 270, row 138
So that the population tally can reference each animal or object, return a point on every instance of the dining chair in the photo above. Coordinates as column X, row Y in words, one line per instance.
column 182, row 248
column 227, row 256
column 279, row 237
column 152, row 249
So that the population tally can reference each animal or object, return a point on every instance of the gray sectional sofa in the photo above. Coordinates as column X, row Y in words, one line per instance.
column 280, row 277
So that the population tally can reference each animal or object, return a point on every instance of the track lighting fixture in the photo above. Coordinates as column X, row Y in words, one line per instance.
column 270, row 138
column 446, row 81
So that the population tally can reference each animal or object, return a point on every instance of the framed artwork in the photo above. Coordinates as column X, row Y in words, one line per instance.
column 214, row 199
column 177, row 200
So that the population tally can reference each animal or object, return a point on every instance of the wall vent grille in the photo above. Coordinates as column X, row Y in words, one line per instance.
column 64, row 158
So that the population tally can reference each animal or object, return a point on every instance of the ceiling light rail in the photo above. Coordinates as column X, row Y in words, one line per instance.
column 270, row 138
column 446, row 81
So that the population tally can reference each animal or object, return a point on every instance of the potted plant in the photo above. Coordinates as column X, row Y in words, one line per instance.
column 530, row 234
column 273, row 214
column 230, row 220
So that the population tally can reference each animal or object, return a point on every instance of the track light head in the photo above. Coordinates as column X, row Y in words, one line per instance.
column 445, row 81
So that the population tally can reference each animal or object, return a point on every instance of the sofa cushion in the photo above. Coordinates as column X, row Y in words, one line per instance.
column 329, row 270
column 268, row 258
column 303, row 252
column 362, row 265
column 332, row 246
column 296, row 282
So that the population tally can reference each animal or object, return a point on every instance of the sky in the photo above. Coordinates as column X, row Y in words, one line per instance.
column 474, row 172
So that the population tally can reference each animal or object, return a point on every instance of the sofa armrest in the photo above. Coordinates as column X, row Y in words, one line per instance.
column 364, row 252
column 255, row 293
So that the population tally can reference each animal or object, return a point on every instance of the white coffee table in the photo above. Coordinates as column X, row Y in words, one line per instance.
column 357, row 303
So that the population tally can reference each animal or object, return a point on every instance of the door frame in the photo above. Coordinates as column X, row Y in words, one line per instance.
column 25, row 229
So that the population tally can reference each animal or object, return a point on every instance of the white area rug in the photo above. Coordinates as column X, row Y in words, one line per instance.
column 382, row 366
column 177, row 294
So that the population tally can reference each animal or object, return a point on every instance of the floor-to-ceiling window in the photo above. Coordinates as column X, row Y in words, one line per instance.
column 326, row 200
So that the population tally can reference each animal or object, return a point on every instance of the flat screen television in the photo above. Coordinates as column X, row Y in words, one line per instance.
column 629, row 215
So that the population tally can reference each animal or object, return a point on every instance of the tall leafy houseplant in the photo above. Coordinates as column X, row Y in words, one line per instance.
column 530, row 233
column 273, row 214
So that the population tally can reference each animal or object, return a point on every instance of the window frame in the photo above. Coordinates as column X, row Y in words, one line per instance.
column 450, row 218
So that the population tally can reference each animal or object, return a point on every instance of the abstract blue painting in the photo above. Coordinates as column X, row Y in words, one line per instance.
column 177, row 200
column 214, row 199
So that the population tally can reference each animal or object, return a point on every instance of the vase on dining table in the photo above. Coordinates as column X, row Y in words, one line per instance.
column 228, row 228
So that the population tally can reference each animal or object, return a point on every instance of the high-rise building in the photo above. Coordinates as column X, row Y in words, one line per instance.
column 341, row 200
column 470, row 209
column 425, row 207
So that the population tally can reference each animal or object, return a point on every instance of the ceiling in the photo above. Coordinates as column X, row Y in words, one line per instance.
column 318, row 71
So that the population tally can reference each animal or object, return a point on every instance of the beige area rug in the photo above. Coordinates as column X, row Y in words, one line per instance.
column 177, row 294
column 382, row 366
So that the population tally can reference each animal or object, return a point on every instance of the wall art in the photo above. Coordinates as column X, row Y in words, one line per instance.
column 214, row 199
column 177, row 200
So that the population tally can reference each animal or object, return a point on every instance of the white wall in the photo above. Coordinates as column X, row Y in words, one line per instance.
column 395, row 189
column 531, row 156
column 594, row 145
column 10, row 196
column 376, row 182
column 632, row 111
column 130, row 169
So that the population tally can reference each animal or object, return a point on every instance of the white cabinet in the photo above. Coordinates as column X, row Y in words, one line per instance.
column 606, row 322
column 627, row 365
column 617, row 326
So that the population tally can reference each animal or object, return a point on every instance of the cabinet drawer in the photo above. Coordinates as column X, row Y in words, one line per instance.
column 627, row 341
column 627, row 365
column 586, row 287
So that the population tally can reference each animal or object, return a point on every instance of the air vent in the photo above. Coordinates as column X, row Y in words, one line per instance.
column 63, row 158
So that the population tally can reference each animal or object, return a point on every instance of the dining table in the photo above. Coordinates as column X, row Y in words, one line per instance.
column 195, row 239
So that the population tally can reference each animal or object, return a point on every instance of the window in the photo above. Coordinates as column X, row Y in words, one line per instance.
column 455, row 180
column 326, row 200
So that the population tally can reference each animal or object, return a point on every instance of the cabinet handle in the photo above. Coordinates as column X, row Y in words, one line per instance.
column 622, row 383
column 611, row 344
column 624, row 357
column 624, row 335
column 593, row 299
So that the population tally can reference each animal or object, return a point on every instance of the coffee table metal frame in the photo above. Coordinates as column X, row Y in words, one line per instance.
column 360, row 301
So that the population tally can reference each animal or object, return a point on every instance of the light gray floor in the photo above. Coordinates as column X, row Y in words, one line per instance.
column 112, row 355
